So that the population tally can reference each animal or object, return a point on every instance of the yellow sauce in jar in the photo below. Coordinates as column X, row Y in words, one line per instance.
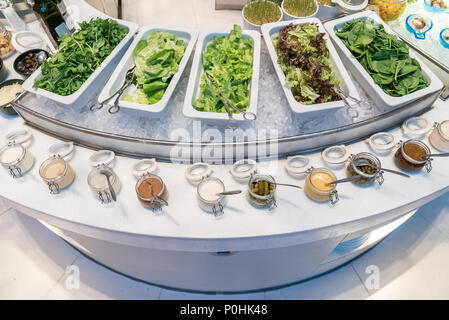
column 321, row 181
column 317, row 186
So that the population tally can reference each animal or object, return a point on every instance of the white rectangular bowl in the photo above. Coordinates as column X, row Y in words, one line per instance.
column 104, row 70
column 188, row 36
column 271, row 30
column 363, row 77
column 193, row 88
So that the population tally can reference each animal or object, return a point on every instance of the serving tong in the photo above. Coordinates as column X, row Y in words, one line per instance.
column 353, row 113
column 232, row 123
column 129, row 79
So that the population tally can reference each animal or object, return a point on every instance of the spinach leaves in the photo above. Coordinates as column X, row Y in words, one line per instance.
column 79, row 55
column 385, row 57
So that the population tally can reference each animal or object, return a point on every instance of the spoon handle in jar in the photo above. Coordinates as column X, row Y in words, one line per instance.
column 349, row 179
column 445, row 154
column 229, row 193
column 395, row 172
column 288, row 185
column 161, row 200
column 111, row 189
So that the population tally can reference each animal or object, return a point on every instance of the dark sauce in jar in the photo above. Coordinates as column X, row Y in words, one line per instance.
column 412, row 156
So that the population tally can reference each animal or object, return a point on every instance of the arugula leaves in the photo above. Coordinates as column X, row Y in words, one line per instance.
column 385, row 57
column 229, row 59
column 79, row 55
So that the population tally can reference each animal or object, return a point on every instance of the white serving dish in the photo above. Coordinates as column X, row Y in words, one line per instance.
column 271, row 30
column 188, row 36
column 362, row 76
column 103, row 71
column 193, row 88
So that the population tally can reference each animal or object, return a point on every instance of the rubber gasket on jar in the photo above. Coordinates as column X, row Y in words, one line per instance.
column 243, row 169
column 335, row 156
column 19, row 136
column 144, row 166
column 387, row 143
column 197, row 172
column 415, row 127
column 297, row 165
column 61, row 149
column 101, row 157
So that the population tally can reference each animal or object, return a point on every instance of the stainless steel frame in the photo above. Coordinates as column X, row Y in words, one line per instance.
column 222, row 152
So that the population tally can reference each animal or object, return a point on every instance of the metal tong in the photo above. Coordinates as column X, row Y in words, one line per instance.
column 346, row 99
column 129, row 79
column 232, row 123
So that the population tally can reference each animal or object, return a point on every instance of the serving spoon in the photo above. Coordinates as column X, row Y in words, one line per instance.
column 229, row 193
column 107, row 174
column 348, row 179
column 445, row 154
column 363, row 162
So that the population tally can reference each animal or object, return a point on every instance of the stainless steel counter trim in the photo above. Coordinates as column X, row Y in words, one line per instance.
column 137, row 147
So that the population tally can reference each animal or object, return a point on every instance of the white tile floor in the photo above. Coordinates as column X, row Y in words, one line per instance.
column 413, row 264
column 413, row 261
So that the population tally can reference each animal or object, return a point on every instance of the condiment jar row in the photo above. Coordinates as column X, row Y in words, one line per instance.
column 58, row 174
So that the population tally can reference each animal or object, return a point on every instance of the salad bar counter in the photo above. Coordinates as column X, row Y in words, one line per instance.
column 268, row 157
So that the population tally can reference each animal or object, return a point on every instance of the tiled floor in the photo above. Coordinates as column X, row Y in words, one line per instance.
column 36, row 264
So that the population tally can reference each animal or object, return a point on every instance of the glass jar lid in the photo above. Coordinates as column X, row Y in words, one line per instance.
column 101, row 158
column 197, row 172
column 382, row 141
column 243, row 169
column 415, row 127
column 297, row 165
column 335, row 155
column 18, row 137
column 144, row 167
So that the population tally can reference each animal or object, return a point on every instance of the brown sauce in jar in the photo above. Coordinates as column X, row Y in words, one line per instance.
column 148, row 188
column 415, row 152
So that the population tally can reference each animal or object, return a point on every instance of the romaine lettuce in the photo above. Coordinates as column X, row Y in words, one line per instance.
column 157, row 59
column 229, row 59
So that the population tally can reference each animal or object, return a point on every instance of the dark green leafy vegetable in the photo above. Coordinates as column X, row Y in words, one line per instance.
column 385, row 57
column 229, row 59
column 79, row 55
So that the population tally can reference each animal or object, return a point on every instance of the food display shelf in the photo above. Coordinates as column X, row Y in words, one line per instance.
column 247, row 248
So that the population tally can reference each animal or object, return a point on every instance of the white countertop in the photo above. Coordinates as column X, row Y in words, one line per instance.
column 183, row 219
